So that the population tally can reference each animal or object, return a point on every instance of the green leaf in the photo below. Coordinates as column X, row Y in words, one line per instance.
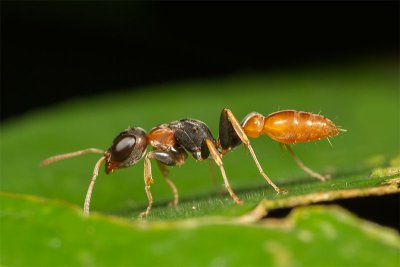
column 50, row 233
column 362, row 98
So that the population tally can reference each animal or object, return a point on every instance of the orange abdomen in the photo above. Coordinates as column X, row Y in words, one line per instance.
column 291, row 126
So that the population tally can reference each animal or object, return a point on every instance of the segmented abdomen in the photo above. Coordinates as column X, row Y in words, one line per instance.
column 291, row 126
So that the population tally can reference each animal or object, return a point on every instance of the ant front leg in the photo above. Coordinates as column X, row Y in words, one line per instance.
column 148, row 180
column 230, row 130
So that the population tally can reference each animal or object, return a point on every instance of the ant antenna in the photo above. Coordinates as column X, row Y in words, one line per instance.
column 90, row 189
column 71, row 155
column 95, row 170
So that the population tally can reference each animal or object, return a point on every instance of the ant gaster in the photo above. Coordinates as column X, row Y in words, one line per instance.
column 172, row 141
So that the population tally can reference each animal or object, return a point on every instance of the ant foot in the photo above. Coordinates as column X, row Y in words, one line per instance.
column 281, row 191
column 322, row 177
column 238, row 201
column 144, row 214
column 327, row 176
column 173, row 203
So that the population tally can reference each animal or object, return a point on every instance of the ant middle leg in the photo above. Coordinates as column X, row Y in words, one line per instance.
column 175, row 155
column 165, row 174
column 229, row 127
column 304, row 167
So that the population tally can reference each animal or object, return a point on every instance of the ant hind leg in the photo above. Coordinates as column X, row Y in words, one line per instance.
column 304, row 167
column 229, row 120
column 208, row 147
column 214, row 181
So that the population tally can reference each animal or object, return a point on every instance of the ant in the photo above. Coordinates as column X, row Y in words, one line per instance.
column 172, row 141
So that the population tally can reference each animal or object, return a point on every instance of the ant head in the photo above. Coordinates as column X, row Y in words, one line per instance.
column 127, row 149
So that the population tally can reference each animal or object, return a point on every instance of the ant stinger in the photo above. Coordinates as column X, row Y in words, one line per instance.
column 172, row 141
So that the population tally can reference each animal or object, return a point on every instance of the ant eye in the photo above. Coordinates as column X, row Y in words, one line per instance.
column 123, row 148
column 127, row 149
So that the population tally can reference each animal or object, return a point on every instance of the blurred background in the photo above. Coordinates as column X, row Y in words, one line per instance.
column 53, row 51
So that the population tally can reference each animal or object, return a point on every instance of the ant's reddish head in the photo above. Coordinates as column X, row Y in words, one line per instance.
column 127, row 149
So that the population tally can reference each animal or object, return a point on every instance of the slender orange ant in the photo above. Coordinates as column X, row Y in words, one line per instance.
column 172, row 141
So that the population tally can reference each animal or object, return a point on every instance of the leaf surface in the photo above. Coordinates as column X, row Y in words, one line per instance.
column 207, row 228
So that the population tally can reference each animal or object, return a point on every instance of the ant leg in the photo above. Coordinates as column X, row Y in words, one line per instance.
column 174, row 156
column 91, row 185
column 304, row 167
column 245, row 140
column 148, row 180
column 165, row 174
column 213, row 178
column 171, row 157
column 215, row 155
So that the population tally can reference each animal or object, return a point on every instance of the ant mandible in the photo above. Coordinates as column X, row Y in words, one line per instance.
column 172, row 141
